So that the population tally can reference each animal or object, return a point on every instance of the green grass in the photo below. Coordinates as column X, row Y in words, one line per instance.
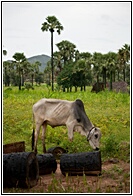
column 109, row 111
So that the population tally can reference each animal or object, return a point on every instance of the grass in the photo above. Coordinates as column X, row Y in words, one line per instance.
column 109, row 111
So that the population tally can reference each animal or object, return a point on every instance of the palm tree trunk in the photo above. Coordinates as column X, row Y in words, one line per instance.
column 52, row 66
column 32, row 76
column 5, row 76
column 124, row 75
column 118, row 75
column 19, row 79
column 104, row 77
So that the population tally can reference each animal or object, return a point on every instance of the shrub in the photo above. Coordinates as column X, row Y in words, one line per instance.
column 111, row 146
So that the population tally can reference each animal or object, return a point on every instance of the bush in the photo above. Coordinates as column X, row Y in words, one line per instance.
column 111, row 146
column 28, row 86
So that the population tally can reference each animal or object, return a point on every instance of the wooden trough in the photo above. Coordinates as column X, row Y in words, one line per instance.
column 88, row 163
column 47, row 163
column 20, row 170
column 14, row 147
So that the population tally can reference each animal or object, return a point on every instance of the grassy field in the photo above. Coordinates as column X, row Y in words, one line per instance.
column 109, row 111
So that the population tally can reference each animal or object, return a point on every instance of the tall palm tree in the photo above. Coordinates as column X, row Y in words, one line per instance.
column 51, row 25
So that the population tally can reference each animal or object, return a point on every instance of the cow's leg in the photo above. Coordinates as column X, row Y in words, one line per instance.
column 44, row 125
column 37, row 131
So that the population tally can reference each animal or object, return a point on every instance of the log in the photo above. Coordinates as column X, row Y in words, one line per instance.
column 56, row 151
column 47, row 163
column 20, row 170
column 14, row 147
column 88, row 163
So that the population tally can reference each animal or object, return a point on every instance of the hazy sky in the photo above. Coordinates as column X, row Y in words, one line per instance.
column 91, row 26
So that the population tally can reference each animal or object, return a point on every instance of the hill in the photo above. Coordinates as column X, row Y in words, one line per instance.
column 43, row 59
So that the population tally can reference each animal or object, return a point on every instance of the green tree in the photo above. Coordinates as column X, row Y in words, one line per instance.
column 39, row 78
column 19, row 59
column 97, row 60
column 80, row 73
column 67, row 51
column 34, row 71
column 7, row 66
column 123, row 58
column 51, row 25
column 111, row 65
column 57, row 62
column 64, row 78
column 47, row 73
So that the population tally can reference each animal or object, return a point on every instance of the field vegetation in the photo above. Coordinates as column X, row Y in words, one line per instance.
column 110, row 111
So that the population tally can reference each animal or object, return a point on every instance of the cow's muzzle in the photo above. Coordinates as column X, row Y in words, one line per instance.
column 96, row 149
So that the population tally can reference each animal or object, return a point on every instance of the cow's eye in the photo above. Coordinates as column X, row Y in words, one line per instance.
column 96, row 136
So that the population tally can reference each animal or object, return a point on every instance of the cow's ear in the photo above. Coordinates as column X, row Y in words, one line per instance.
column 78, row 119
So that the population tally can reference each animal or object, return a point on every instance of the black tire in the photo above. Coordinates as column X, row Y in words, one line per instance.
column 88, row 163
column 20, row 170
column 56, row 151
column 47, row 163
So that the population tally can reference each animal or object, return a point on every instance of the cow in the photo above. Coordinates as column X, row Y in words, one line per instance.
column 56, row 112
column 97, row 87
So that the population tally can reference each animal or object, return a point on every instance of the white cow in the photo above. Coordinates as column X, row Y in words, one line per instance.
column 55, row 112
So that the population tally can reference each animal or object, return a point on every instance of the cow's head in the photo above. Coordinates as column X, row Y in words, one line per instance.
column 84, row 126
column 93, row 137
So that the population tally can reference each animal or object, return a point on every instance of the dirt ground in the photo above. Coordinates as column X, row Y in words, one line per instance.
column 115, row 178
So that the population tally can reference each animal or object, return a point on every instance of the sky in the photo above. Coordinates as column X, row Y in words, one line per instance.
column 91, row 26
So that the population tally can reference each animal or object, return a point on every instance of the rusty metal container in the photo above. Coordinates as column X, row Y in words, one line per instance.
column 14, row 147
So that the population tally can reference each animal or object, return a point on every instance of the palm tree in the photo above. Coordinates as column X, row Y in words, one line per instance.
column 97, row 60
column 36, row 66
column 7, row 65
column 47, row 73
column 57, row 61
column 124, row 57
column 67, row 50
column 111, row 65
column 52, row 24
column 19, row 59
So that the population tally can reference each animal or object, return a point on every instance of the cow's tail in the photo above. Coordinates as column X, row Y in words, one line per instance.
column 33, row 135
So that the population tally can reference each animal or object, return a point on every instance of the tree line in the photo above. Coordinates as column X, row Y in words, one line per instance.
column 73, row 68
column 68, row 67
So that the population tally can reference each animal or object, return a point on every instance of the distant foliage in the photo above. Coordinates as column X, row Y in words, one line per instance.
column 29, row 86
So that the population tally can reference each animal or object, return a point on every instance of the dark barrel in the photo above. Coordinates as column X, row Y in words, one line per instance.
column 56, row 151
column 20, row 170
column 47, row 163
column 88, row 163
